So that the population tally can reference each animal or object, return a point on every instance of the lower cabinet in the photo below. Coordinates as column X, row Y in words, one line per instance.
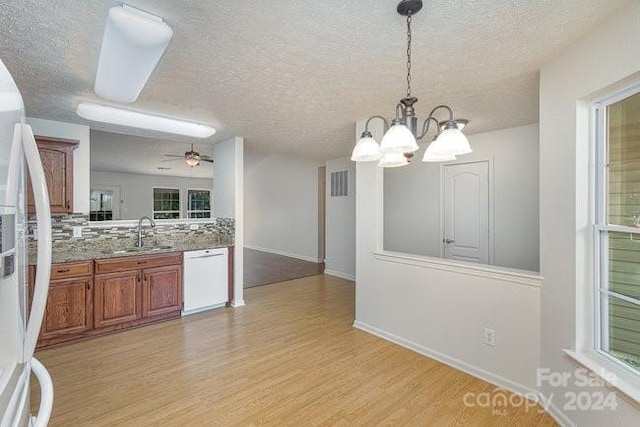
column 117, row 298
column 69, row 308
column 162, row 290
column 124, row 292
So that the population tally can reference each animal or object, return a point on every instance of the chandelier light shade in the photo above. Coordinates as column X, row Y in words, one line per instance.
column 393, row 160
column 431, row 156
column 400, row 140
column 366, row 150
column 451, row 141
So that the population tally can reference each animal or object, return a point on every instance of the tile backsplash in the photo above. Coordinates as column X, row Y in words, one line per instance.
column 62, row 229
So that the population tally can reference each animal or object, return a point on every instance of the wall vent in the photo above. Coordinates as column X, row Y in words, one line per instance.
column 339, row 184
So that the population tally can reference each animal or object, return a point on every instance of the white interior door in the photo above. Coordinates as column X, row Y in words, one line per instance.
column 466, row 212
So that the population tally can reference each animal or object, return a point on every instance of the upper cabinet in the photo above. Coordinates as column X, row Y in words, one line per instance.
column 57, row 161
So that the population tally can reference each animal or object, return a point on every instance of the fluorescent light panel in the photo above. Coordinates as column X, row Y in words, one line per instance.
column 135, row 119
column 132, row 44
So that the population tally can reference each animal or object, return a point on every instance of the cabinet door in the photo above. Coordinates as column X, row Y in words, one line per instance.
column 57, row 162
column 162, row 290
column 117, row 298
column 69, row 306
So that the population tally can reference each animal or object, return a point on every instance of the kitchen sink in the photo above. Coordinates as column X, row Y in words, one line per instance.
column 159, row 248
column 135, row 250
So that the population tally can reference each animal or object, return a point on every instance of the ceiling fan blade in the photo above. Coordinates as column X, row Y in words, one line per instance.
column 204, row 156
column 207, row 160
column 173, row 155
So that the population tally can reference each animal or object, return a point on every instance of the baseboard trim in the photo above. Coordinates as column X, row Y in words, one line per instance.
column 474, row 371
column 287, row 254
column 340, row 275
column 238, row 303
column 202, row 309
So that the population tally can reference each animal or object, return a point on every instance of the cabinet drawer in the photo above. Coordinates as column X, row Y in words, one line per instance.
column 137, row 262
column 71, row 269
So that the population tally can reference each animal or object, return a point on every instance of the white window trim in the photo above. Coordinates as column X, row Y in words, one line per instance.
column 598, row 361
column 153, row 206
column 186, row 202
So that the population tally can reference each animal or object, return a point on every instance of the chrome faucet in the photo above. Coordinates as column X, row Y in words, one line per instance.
column 153, row 224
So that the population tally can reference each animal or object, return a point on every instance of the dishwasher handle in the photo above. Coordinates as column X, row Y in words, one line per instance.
column 205, row 256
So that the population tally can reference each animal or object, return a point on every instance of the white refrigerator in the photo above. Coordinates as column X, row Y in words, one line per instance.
column 19, row 329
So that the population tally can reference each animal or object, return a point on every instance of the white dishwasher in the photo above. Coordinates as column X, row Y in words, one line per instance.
column 206, row 280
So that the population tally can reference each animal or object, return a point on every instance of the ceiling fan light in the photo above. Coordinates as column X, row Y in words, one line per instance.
column 393, row 160
column 366, row 150
column 132, row 45
column 192, row 161
column 135, row 119
column 398, row 139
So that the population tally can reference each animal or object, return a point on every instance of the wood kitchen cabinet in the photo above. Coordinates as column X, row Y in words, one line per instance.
column 117, row 298
column 137, row 289
column 162, row 290
column 57, row 161
column 68, row 313
column 97, row 297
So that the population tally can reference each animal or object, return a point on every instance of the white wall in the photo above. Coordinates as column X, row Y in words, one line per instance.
column 281, row 204
column 440, row 308
column 412, row 199
column 341, row 223
column 228, row 202
column 224, row 178
column 602, row 58
column 81, row 159
column 136, row 190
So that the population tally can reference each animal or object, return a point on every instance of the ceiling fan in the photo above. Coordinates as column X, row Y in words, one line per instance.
column 191, row 158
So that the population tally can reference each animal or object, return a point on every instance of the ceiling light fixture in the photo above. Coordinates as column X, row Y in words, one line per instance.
column 135, row 119
column 400, row 139
column 132, row 45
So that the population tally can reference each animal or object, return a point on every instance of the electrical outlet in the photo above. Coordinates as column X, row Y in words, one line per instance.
column 77, row 231
column 489, row 337
column 194, row 227
column 35, row 234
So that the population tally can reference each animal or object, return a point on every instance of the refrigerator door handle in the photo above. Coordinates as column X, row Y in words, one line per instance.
column 43, row 218
column 46, row 394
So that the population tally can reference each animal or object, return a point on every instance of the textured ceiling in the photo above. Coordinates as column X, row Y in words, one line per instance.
column 292, row 76
column 112, row 152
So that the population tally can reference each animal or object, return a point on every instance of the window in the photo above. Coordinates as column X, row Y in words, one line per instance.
column 101, row 205
column 198, row 204
column 166, row 203
column 617, row 228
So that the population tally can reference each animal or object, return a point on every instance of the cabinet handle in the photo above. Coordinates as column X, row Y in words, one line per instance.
column 88, row 286
column 68, row 204
column 138, row 277
column 66, row 270
column 146, row 277
column 142, row 262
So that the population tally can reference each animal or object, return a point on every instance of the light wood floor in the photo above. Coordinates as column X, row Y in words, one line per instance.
column 290, row 357
column 263, row 268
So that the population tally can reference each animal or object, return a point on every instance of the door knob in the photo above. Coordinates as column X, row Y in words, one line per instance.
column 449, row 241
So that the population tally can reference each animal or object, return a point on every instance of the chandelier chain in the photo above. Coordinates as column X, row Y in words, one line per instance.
column 409, row 56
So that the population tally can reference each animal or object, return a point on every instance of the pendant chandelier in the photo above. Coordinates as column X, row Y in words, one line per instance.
column 399, row 142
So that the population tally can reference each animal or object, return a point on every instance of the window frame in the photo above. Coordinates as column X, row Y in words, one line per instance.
column 187, row 204
column 153, row 204
column 602, row 229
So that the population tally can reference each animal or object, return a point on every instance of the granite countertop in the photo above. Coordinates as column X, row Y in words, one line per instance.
column 69, row 251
